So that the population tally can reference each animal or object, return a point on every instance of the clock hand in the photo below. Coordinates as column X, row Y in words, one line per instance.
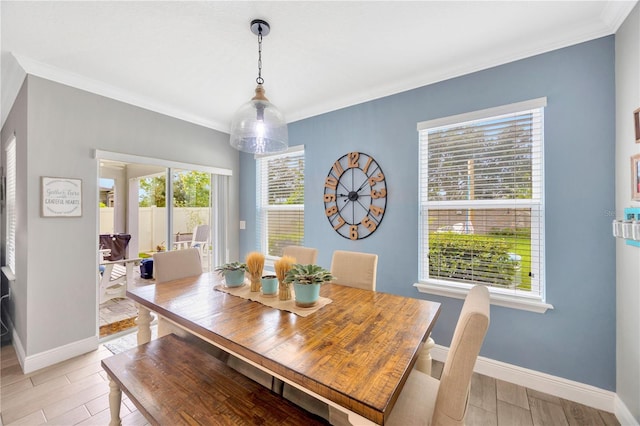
column 342, row 185
column 362, row 186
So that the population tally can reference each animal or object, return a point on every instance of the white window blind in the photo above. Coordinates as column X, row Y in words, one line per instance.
column 11, row 204
column 481, row 200
column 280, row 201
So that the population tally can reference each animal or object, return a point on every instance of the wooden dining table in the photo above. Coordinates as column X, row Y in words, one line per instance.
column 354, row 353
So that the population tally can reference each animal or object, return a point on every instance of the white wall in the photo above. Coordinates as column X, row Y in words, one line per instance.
column 17, row 123
column 55, row 296
column 627, row 257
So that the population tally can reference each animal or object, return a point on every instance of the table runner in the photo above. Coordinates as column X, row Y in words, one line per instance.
column 245, row 292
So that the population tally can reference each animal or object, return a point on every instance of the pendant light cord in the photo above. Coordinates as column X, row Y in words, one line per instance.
column 260, row 80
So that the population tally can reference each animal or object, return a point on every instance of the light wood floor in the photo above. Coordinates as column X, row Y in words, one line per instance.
column 75, row 392
column 495, row 402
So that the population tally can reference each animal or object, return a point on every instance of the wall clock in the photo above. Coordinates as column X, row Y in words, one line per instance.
column 355, row 195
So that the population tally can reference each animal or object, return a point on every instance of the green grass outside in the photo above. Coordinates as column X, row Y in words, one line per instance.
column 522, row 247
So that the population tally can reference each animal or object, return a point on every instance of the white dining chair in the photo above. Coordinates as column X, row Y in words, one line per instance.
column 355, row 269
column 303, row 255
column 175, row 264
column 425, row 400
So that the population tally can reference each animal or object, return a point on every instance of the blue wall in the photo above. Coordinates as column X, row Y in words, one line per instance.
column 576, row 340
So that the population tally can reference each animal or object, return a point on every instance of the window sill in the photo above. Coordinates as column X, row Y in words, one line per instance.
column 498, row 299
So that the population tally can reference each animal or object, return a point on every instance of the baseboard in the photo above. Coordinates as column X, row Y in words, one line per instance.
column 17, row 345
column 44, row 359
column 563, row 388
column 623, row 414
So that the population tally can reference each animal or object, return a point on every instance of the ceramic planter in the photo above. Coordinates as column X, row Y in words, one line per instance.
column 307, row 295
column 234, row 278
column 269, row 285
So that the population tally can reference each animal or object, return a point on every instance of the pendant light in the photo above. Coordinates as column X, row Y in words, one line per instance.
column 258, row 127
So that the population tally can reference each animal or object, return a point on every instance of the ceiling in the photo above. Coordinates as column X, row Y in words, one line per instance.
column 198, row 60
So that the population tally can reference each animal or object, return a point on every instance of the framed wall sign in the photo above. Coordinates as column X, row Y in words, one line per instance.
column 61, row 197
column 635, row 177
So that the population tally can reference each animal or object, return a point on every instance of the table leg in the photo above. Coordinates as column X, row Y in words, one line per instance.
column 144, row 324
column 338, row 417
column 115, row 399
column 164, row 327
column 167, row 327
column 424, row 359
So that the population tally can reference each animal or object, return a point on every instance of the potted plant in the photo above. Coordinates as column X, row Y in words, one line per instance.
column 307, row 280
column 233, row 273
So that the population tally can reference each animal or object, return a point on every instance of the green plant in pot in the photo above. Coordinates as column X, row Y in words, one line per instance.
column 233, row 273
column 307, row 280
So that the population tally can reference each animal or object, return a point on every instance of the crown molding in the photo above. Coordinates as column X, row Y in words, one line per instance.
column 49, row 72
column 615, row 12
column 13, row 76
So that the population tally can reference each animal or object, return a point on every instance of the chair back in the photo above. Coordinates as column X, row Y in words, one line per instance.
column 117, row 244
column 355, row 269
column 453, row 392
column 201, row 235
column 172, row 265
column 303, row 255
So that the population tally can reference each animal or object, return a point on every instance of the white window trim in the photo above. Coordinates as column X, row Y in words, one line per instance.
column 129, row 158
column 11, row 214
column 483, row 113
column 269, row 259
column 283, row 153
column 499, row 297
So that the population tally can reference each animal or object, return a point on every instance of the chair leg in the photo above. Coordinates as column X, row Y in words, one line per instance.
column 129, row 268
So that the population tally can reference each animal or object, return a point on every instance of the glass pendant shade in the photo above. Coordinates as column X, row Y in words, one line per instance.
column 258, row 127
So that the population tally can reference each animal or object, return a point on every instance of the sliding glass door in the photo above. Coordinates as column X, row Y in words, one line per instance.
column 164, row 207
column 190, row 216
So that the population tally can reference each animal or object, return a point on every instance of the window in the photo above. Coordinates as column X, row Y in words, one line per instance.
column 11, row 204
column 481, row 202
column 280, row 201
